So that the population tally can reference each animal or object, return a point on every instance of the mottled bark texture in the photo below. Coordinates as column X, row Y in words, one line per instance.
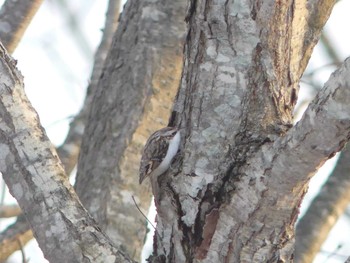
column 134, row 98
column 69, row 150
column 36, row 178
column 324, row 211
column 234, row 190
column 15, row 16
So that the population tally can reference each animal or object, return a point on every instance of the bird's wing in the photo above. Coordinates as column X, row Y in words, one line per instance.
column 153, row 154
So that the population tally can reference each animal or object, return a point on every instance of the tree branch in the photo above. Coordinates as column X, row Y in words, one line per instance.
column 317, row 13
column 276, row 179
column 36, row 178
column 324, row 211
column 15, row 17
column 221, row 200
column 322, row 132
column 9, row 237
column 69, row 150
column 9, row 211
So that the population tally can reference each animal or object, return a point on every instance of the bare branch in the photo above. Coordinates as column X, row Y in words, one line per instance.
column 9, row 211
column 324, row 211
column 9, row 238
column 15, row 17
column 36, row 178
column 69, row 150
column 278, row 174
column 316, row 14
column 287, row 166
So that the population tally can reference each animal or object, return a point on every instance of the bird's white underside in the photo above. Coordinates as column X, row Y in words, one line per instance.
column 172, row 150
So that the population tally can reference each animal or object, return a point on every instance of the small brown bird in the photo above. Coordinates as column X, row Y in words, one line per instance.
column 159, row 151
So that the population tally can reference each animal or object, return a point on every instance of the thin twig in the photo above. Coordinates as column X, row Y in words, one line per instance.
column 22, row 251
column 155, row 230
column 138, row 208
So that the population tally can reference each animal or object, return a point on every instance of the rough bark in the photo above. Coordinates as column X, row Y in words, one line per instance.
column 36, row 178
column 15, row 16
column 232, row 194
column 324, row 211
column 69, row 150
column 134, row 97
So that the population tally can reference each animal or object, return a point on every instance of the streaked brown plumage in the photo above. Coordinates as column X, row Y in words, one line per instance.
column 160, row 149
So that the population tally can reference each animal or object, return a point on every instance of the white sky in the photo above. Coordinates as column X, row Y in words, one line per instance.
column 56, row 74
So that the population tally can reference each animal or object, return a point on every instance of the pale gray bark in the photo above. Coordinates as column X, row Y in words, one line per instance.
column 233, row 192
column 69, row 150
column 324, row 211
column 134, row 97
column 36, row 178
column 15, row 16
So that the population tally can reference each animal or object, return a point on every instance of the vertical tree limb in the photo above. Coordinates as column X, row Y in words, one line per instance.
column 238, row 90
column 134, row 97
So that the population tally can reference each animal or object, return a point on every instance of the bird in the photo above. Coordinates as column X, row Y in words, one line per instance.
column 159, row 151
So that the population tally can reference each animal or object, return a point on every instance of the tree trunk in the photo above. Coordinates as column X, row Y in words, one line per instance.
column 233, row 192
column 134, row 98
